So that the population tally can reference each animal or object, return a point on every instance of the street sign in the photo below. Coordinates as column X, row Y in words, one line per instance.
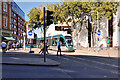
column 30, row 34
column 99, row 32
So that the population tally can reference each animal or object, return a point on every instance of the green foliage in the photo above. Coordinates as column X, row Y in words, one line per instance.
column 61, row 11
column 34, row 15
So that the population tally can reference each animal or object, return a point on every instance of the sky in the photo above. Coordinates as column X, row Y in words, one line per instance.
column 27, row 6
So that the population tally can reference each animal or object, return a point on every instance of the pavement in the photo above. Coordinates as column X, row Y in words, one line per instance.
column 111, row 52
column 49, row 62
column 26, row 61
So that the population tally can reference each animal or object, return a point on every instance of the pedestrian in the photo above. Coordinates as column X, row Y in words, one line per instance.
column 47, row 47
column 8, row 45
column 17, row 45
column 14, row 45
column 41, row 48
column 59, row 48
column 101, row 46
column 4, row 45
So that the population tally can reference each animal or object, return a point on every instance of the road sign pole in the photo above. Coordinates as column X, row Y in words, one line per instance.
column 30, row 44
column 44, row 37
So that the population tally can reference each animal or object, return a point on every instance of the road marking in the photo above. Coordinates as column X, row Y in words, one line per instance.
column 95, row 62
column 14, row 58
column 115, row 72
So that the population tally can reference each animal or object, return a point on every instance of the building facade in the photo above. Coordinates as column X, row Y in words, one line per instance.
column 12, row 21
column 18, row 20
column 6, row 19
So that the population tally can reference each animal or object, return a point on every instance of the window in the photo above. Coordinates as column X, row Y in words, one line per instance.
column 14, row 26
column 5, row 7
column 18, row 23
column 69, row 40
column 12, row 19
column 14, row 32
column 19, row 29
column 14, row 14
column 54, row 42
column 19, row 18
column 19, row 34
column 5, row 22
column 15, row 20
column 62, row 41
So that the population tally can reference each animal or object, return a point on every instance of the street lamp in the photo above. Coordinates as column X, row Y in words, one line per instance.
column 24, row 40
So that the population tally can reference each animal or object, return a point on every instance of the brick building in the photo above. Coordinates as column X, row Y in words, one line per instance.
column 6, row 30
column 18, row 20
column 12, row 20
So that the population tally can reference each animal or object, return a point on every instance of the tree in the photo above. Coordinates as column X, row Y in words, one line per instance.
column 75, row 12
column 34, row 16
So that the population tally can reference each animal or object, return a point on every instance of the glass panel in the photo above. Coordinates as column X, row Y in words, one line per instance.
column 69, row 40
column 54, row 42
column 5, row 7
column 62, row 41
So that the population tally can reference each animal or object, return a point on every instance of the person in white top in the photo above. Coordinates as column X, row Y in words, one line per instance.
column 3, row 44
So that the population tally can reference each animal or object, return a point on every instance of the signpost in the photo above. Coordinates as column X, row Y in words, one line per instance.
column 24, row 40
column 30, row 36
column 98, row 33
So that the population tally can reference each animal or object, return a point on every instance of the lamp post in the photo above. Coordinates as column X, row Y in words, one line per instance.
column 24, row 40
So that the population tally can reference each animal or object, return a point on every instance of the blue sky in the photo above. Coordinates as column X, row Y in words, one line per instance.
column 27, row 6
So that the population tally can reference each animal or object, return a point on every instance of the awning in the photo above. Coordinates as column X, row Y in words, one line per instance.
column 9, row 38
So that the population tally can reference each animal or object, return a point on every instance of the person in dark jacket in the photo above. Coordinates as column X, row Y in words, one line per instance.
column 59, row 48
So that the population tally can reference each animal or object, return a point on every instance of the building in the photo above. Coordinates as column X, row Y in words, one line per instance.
column 6, row 19
column 18, row 20
column 12, row 21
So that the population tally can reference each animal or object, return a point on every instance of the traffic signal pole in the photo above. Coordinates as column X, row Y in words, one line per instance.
column 44, row 36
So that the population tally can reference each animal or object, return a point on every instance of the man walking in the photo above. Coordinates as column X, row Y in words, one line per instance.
column 59, row 47
column 14, row 45
column 47, row 47
column 41, row 48
column 3, row 44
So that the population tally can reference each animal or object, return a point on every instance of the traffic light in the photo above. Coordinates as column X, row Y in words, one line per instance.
column 37, row 25
column 49, row 17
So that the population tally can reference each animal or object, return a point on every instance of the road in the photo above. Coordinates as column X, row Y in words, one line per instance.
column 72, row 66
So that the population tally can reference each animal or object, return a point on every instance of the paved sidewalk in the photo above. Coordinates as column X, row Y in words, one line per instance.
column 83, row 51
column 33, row 61
column 104, row 53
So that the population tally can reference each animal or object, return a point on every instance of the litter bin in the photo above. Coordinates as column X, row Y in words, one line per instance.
column 78, row 45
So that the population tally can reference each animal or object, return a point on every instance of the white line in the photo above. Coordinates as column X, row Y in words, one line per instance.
column 14, row 58
column 115, row 72
column 95, row 62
